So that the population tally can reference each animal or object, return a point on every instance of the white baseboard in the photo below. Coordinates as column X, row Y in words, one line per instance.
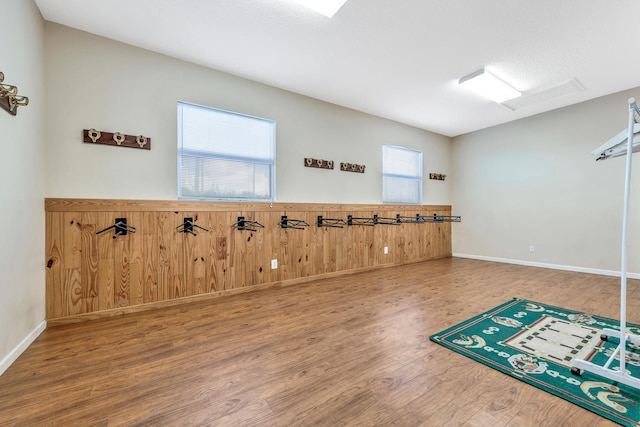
column 551, row 266
column 26, row 342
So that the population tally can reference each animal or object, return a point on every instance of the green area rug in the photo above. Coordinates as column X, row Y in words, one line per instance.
column 537, row 343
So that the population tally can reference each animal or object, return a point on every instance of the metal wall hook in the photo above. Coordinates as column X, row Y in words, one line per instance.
column 298, row 224
column 120, row 227
column 443, row 218
column 387, row 221
column 8, row 90
column 360, row 221
column 247, row 224
column 188, row 225
column 330, row 222
column 9, row 98
column 446, row 218
column 418, row 219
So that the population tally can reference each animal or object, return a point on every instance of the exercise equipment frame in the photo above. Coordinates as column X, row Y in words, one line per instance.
column 605, row 370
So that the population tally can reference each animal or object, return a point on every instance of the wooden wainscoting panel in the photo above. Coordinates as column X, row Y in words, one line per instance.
column 151, row 259
column 89, row 263
column 53, row 276
column 88, row 274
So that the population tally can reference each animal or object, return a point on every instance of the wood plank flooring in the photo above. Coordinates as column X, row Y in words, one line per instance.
column 348, row 351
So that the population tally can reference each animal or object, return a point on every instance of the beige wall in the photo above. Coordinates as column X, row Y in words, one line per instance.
column 530, row 182
column 85, row 81
column 22, row 178
column 534, row 182
column 93, row 82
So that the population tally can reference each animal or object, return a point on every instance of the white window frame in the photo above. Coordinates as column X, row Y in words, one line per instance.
column 394, row 176
column 225, row 154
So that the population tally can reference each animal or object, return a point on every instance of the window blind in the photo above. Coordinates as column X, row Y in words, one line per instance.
column 401, row 175
column 224, row 155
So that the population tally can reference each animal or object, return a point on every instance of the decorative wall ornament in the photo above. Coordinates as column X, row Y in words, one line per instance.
column 437, row 176
column 93, row 136
column 9, row 98
column 318, row 163
column 352, row 167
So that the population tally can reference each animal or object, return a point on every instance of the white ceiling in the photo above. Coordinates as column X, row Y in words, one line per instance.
column 398, row 59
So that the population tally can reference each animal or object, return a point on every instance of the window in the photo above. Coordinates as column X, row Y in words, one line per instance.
column 401, row 175
column 225, row 155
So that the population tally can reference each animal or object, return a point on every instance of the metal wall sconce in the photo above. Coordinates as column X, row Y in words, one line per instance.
column 9, row 98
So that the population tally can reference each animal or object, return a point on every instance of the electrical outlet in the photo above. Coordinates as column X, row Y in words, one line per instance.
column 386, row 250
column 532, row 248
column 274, row 264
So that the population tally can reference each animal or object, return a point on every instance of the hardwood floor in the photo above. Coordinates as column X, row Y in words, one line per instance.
column 353, row 350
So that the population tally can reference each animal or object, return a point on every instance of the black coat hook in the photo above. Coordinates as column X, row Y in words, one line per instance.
column 298, row 224
column 247, row 224
column 120, row 227
column 330, row 222
column 188, row 225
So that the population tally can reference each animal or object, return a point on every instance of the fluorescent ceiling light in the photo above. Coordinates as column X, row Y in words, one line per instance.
column 486, row 84
column 327, row 8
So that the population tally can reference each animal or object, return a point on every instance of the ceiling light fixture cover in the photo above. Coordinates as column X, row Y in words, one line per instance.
column 327, row 8
column 486, row 84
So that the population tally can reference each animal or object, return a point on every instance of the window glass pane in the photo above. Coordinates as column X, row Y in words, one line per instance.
column 219, row 178
column 401, row 161
column 224, row 155
column 400, row 190
column 229, row 134
column 401, row 175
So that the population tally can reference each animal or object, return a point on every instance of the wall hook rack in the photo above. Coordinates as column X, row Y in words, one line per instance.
column 443, row 218
column 352, row 167
column 298, row 224
column 247, row 224
column 418, row 219
column 188, row 225
column 387, row 221
column 118, row 139
column 318, row 163
column 9, row 98
column 360, row 221
column 330, row 222
column 120, row 228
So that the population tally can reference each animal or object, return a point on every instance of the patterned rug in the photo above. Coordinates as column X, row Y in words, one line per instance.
column 537, row 343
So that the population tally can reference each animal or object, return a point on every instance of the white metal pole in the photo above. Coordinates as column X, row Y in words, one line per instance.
column 625, row 222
